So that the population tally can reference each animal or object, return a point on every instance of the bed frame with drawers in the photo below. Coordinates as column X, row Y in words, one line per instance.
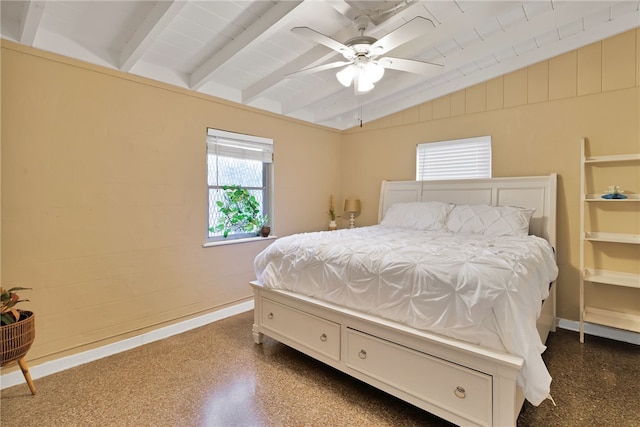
column 464, row 383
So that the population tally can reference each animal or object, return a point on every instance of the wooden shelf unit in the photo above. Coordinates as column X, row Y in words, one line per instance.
column 611, row 159
column 612, row 237
column 608, row 277
column 605, row 317
column 613, row 319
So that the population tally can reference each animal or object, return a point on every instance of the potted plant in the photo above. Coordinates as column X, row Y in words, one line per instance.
column 17, row 332
column 240, row 212
column 332, row 215
column 262, row 222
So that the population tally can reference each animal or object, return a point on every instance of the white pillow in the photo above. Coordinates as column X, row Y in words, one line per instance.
column 425, row 216
column 491, row 220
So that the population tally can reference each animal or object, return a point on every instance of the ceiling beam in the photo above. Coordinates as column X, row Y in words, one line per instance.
column 156, row 21
column 377, row 16
column 318, row 94
column 315, row 56
column 255, row 34
column 30, row 21
column 444, row 32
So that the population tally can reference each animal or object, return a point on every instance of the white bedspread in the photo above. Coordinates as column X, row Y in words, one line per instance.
column 480, row 289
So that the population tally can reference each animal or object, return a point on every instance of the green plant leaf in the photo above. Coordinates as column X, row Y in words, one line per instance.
column 239, row 211
column 9, row 299
column 7, row 319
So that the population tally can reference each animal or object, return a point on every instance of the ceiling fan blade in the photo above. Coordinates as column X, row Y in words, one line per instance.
column 322, row 39
column 407, row 32
column 319, row 68
column 411, row 66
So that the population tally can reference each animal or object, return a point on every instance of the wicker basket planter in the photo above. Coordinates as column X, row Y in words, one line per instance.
column 15, row 342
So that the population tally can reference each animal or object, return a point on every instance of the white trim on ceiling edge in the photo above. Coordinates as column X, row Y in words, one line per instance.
column 15, row 378
column 68, row 362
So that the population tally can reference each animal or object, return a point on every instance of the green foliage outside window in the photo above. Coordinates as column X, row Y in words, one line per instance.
column 239, row 212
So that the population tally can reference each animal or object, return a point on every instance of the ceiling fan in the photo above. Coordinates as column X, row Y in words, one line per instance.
column 364, row 66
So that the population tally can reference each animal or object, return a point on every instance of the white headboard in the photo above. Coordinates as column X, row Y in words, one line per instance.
column 538, row 192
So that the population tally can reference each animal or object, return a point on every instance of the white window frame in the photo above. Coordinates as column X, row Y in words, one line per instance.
column 466, row 158
column 240, row 146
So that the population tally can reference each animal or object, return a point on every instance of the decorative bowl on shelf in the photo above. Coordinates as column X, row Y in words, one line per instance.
column 614, row 192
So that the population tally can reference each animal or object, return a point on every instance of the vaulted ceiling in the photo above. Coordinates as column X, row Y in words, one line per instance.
column 244, row 50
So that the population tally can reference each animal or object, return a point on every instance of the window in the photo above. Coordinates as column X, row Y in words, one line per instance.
column 237, row 160
column 456, row 159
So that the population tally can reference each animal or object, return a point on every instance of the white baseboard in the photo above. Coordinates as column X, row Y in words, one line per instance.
column 14, row 378
column 601, row 331
column 51, row 367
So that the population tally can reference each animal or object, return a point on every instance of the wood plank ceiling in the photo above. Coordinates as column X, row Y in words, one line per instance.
column 244, row 50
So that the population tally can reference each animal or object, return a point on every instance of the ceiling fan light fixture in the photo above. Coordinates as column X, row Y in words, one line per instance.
column 362, row 74
column 364, row 86
column 363, row 83
column 364, row 65
column 346, row 75
column 374, row 71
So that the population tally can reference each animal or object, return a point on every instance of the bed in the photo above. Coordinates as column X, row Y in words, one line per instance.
column 465, row 339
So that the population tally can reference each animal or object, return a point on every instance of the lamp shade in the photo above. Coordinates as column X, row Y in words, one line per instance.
column 374, row 70
column 352, row 206
column 363, row 83
column 345, row 76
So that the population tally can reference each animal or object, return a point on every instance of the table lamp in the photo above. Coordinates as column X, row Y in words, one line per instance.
column 352, row 207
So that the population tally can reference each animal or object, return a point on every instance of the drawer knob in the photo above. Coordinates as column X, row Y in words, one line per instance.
column 362, row 354
column 460, row 392
column 323, row 337
column 270, row 316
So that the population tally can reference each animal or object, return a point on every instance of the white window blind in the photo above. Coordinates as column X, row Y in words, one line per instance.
column 456, row 159
column 237, row 146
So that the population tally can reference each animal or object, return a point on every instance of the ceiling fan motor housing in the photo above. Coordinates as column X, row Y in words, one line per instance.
column 360, row 44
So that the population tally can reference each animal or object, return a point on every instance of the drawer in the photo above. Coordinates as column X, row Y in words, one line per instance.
column 310, row 331
column 457, row 389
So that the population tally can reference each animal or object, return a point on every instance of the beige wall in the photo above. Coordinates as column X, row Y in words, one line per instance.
column 104, row 193
column 104, row 198
column 536, row 117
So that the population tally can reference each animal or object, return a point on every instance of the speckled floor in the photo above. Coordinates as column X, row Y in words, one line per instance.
column 217, row 376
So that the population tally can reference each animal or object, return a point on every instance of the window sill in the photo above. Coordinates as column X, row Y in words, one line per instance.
column 234, row 241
